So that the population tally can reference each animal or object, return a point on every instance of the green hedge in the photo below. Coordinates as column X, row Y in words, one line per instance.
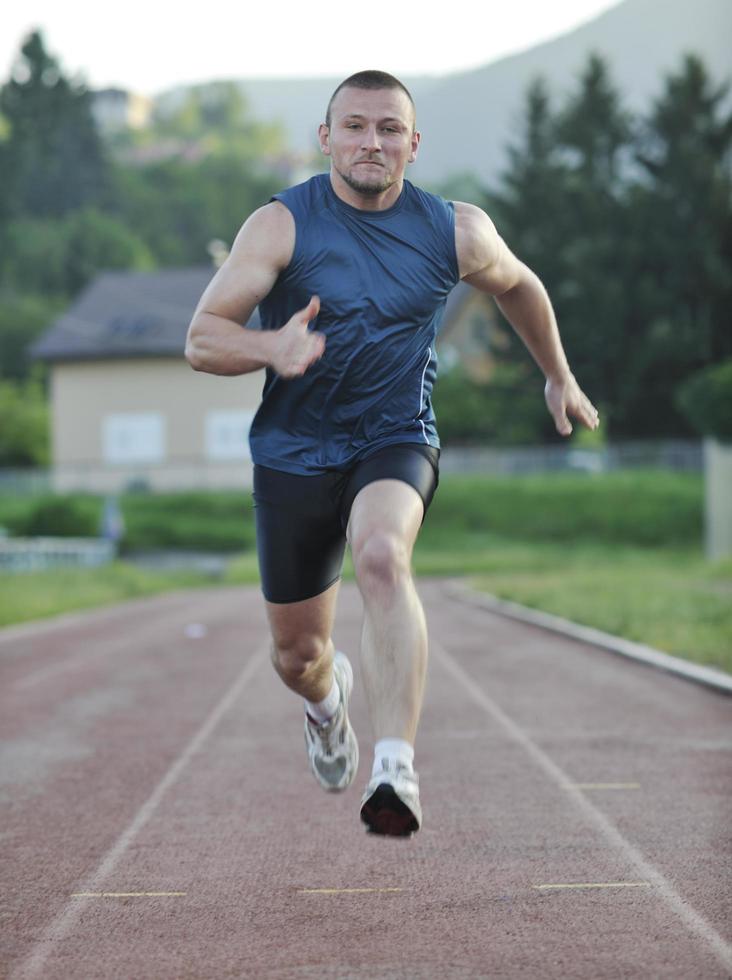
column 653, row 508
column 642, row 508
column 197, row 521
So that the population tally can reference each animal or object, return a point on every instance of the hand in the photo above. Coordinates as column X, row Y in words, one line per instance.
column 564, row 398
column 297, row 348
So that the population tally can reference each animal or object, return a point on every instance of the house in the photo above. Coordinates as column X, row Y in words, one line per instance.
column 115, row 110
column 126, row 408
column 128, row 411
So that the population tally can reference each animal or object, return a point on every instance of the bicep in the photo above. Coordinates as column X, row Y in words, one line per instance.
column 502, row 274
column 486, row 262
column 260, row 251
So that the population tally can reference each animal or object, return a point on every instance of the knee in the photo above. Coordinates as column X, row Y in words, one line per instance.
column 381, row 560
column 294, row 656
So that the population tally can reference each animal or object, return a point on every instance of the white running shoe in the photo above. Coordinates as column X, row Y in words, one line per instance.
column 333, row 747
column 390, row 804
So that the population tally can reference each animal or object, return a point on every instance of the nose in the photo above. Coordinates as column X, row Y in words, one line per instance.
column 371, row 142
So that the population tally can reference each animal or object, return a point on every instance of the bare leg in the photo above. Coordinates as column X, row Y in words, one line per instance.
column 302, row 649
column 385, row 520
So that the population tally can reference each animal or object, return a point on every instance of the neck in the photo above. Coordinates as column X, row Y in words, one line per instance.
column 365, row 202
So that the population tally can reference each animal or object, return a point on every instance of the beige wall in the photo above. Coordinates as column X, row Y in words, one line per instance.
column 83, row 393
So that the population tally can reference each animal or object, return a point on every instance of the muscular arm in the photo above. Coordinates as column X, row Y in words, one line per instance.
column 217, row 343
column 486, row 263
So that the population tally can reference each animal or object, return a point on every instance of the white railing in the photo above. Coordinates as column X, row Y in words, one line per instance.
column 202, row 475
column 38, row 554
column 677, row 456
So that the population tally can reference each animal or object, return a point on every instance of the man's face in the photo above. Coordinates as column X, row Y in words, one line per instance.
column 371, row 138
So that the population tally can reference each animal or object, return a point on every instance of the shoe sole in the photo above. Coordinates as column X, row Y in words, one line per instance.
column 384, row 813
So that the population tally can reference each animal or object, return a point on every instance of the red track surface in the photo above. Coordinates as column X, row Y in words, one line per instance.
column 137, row 759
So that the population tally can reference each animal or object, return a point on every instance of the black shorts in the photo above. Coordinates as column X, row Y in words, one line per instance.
column 301, row 520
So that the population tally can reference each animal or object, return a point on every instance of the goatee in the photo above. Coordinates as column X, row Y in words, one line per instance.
column 368, row 190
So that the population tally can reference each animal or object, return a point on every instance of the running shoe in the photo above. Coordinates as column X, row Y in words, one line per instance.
column 332, row 747
column 390, row 804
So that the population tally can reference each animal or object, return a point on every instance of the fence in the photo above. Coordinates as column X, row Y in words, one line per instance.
column 677, row 456
column 671, row 455
column 37, row 554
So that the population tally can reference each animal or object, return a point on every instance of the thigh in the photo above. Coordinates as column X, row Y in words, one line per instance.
column 385, row 510
column 391, row 491
column 300, row 540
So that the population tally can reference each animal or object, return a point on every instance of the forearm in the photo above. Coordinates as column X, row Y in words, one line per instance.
column 529, row 311
column 216, row 345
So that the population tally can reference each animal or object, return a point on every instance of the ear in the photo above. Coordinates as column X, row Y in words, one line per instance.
column 416, row 137
column 324, row 138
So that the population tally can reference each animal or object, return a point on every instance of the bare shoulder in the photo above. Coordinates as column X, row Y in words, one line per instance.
column 262, row 249
column 484, row 259
column 476, row 240
column 269, row 232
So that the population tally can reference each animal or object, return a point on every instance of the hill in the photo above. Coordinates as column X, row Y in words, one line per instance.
column 468, row 118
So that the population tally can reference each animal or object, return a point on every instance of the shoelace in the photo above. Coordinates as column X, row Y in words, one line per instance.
column 329, row 732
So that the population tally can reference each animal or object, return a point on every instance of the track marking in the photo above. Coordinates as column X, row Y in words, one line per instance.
column 127, row 894
column 597, row 884
column 607, row 785
column 344, row 891
column 695, row 922
column 61, row 925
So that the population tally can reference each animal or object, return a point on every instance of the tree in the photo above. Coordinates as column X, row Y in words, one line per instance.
column 594, row 133
column 217, row 118
column 24, row 434
column 52, row 158
column 22, row 320
column 177, row 207
column 530, row 202
column 680, row 243
column 58, row 258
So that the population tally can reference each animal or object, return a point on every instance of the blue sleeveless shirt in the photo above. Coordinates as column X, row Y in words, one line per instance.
column 383, row 278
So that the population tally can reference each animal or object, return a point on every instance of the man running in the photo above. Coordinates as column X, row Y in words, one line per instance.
column 351, row 271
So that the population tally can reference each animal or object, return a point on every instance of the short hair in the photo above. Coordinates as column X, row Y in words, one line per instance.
column 369, row 80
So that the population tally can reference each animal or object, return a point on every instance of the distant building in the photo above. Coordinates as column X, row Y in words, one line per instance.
column 128, row 411
column 126, row 407
column 115, row 110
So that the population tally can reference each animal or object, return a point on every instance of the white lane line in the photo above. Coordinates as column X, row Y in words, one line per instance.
column 345, row 891
column 696, row 923
column 594, row 884
column 128, row 894
column 607, row 785
column 61, row 925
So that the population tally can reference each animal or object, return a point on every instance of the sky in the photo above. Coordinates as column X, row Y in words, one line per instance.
column 141, row 46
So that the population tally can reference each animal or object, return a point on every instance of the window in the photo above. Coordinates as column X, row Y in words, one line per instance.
column 133, row 437
column 227, row 435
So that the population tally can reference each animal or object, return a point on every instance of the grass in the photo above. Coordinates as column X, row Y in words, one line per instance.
column 672, row 600
column 36, row 595
column 567, row 544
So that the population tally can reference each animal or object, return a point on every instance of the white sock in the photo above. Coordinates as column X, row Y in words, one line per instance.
column 322, row 711
column 394, row 750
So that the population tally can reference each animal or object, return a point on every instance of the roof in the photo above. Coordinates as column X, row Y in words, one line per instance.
column 144, row 314
column 128, row 314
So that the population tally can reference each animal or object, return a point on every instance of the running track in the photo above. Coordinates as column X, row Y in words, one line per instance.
column 157, row 819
